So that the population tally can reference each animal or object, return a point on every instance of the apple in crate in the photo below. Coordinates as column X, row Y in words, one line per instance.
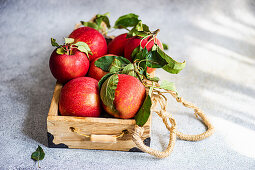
column 69, row 61
column 117, row 45
column 135, row 42
column 80, row 97
column 96, row 72
column 128, row 96
column 93, row 38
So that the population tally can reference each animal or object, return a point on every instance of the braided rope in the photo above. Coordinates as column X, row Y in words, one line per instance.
column 138, row 131
column 158, row 97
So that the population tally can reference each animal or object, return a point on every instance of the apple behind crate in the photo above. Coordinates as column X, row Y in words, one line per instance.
column 89, row 131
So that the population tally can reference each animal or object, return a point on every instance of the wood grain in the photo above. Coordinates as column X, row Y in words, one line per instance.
column 60, row 128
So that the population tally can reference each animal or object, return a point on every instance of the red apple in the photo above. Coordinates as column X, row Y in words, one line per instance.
column 80, row 97
column 65, row 67
column 117, row 45
column 93, row 38
column 96, row 72
column 135, row 42
column 129, row 96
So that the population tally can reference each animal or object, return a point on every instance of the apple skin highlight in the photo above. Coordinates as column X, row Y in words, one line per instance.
column 65, row 67
column 93, row 38
column 129, row 97
column 80, row 97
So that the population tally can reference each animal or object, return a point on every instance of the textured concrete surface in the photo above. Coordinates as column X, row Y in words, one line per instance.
column 216, row 38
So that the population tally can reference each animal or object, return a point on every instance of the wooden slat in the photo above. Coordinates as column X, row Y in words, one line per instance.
column 59, row 127
column 53, row 111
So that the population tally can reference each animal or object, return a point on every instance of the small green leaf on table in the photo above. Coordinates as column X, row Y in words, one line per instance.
column 38, row 154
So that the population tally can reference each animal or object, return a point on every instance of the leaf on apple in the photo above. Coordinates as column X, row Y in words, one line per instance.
column 89, row 24
column 54, row 43
column 69, row 40
column 165, row 46
column 105, row 62
column 103, row 18
column 83, row 47
column 140, row 30
column 144, row 112
column 167, row 86
column 97, row 22
column 130, row 70
column 156, row 58
column 128, row 20
column 103, row 79
column 107, row 92
column 60, row 49
column 116, row 66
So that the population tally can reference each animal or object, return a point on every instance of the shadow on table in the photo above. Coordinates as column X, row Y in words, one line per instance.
column 216, row 84
column 38, row 91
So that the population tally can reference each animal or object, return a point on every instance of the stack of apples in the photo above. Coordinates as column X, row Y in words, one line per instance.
column 73, row 65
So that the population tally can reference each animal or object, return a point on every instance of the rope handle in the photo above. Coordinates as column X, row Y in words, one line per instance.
column 198, row 113
column 138, row 132
column 158, row 97
column 100, row 138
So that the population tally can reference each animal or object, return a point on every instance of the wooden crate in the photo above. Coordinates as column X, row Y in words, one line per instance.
column 60, row 134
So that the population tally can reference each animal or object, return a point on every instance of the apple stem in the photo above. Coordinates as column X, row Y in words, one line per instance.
column 156, row 32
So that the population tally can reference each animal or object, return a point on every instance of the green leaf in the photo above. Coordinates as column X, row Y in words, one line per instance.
column 136, row 53
column 154, row 60
column 139, row 26
column 116, row 66
column 38, row 154
column 165, row 46
column 172, row 66
column 107, row 92
column 83, row 47
column 129, row 20
column 146, row 28
column 144, row 113
column 130, row 70
column 105, row 62
column 140, row 30
column 60, row 51
column 134, row 32
column 156, row 79
column 168, row 85
column 103, row 18
column 69, row 40
column 90, row 24
column 103, row 79
column 54, row 43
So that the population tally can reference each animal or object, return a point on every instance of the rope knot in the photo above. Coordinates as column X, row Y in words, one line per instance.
column 138, row 131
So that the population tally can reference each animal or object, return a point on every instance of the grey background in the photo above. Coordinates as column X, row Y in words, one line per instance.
column 216, row 38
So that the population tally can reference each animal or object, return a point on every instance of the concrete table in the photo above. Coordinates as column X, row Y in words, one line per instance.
column 217, row 40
